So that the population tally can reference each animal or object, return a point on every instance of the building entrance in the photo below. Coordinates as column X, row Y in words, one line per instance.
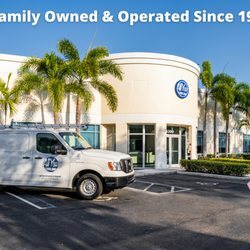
column 173, row 150
column 175, row 145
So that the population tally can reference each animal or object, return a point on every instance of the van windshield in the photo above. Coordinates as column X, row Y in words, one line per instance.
column 75, row 141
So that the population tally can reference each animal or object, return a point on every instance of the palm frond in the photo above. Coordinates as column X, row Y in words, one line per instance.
column 107, row 91
column 109, row 67
column 97, row 53
column 68, row 49
column 31, row 64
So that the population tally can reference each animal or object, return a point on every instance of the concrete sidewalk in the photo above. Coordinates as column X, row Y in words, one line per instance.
column 151, row 171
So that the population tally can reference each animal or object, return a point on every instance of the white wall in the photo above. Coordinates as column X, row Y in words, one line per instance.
column 11, row 64
column 147, row 95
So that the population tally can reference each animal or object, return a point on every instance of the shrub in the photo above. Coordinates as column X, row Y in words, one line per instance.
column 216, row 167
column 231, row 160
column 236, row 156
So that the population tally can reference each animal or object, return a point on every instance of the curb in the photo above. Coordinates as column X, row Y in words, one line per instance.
column 226, row 177
column 138, row 173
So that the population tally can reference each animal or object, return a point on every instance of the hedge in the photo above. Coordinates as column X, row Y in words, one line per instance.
column 231, row 160
column 231, row 156
column 216, row 167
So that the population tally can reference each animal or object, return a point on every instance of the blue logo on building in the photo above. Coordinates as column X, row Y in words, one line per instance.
column 51, row 164
column 181, row 89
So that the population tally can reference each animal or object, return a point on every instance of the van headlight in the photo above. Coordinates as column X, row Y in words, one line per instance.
column 114, row 166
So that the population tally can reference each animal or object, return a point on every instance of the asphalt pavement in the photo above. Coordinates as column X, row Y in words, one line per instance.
column 165, row 211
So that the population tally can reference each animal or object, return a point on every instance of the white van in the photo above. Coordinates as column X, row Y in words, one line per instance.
column 60, row 159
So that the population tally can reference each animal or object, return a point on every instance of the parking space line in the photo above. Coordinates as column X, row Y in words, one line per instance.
column 148, row 187
column 164, row 185
column 173, row 189
column 31, row 203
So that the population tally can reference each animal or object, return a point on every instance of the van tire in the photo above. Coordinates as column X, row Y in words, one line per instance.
column 89, row 186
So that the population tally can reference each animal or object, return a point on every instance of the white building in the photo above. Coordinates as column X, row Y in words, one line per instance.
column 159, row 117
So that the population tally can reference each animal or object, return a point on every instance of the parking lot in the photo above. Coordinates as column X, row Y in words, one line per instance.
column 166, row 211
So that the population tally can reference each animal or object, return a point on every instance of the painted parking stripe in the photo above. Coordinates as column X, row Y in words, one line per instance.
column 47, row 205
column 164, row 185
column 152, row 185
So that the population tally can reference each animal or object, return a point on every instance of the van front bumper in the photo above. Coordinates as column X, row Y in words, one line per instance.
column 118, row 182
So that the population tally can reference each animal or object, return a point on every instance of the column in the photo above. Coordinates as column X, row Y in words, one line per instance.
column 160, row 146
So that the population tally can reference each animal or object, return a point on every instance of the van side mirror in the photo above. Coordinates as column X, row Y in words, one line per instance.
column 57, row 150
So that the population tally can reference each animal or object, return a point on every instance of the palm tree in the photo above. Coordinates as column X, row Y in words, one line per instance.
column 206, row 77
column 51, row 73
column 242, row 101
column 33, row 88
column 9, row 98
column 219, row 78
column 87, row 71
column 225, row 93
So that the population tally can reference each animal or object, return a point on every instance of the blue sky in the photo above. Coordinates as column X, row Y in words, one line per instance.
column 226, row 45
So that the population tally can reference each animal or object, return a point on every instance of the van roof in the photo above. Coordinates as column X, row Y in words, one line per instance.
column 11, row 130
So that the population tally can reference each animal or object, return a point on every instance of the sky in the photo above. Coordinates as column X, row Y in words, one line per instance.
column 225, row 45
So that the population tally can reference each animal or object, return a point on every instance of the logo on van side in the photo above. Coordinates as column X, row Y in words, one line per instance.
column 51, row 164
column 181, row 89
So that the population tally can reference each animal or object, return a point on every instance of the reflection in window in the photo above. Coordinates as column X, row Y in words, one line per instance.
column 199, row 142
column 246, row 143
column 92, row 135
column 46, row 141
column 222, row 142
column 142, row 145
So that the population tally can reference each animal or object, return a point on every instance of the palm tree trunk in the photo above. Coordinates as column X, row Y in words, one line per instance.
column 227, row 125
column 5, row 114
column 42, row 114
column 42, row 109
column 67, row 118
column 78, row 112
column 205, row 126
column 56, row 117
column 215, row 128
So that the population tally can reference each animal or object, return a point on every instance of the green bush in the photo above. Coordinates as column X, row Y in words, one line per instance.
column 216, row 167
column 236, row 156
column 231, row 160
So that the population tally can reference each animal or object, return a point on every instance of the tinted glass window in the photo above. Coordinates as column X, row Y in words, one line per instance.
column 222, row 143
column 199, row 142
column 246, row 143
column 134, row 129
column 46, row 141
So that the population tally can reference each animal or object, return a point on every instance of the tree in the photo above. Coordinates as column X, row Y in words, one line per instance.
column 87, row 71
column 242, row 101
column 33, row 90
column 9, row 98
column 206, row 77
column 225, row 92
column 52, row 73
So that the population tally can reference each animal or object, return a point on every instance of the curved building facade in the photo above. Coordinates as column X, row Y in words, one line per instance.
column 156, row 120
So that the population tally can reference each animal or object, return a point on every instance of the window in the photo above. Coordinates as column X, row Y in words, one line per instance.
column 142, row 145
column 183, row 143
column 246, row 143
column 45, row 142
column 199, row 142
column 74, row 140
column 92, row 135
column 222, row 143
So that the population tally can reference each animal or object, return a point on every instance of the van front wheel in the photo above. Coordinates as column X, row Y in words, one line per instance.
column 89, row 186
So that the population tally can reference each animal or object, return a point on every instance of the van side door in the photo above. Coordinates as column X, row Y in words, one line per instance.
column 51, row 161
column 15, row 158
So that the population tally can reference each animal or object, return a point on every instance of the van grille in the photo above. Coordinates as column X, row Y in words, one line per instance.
column 126, row 165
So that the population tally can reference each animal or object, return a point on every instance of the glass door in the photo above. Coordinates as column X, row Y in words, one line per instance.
column 173, row 151
column 142, row 145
